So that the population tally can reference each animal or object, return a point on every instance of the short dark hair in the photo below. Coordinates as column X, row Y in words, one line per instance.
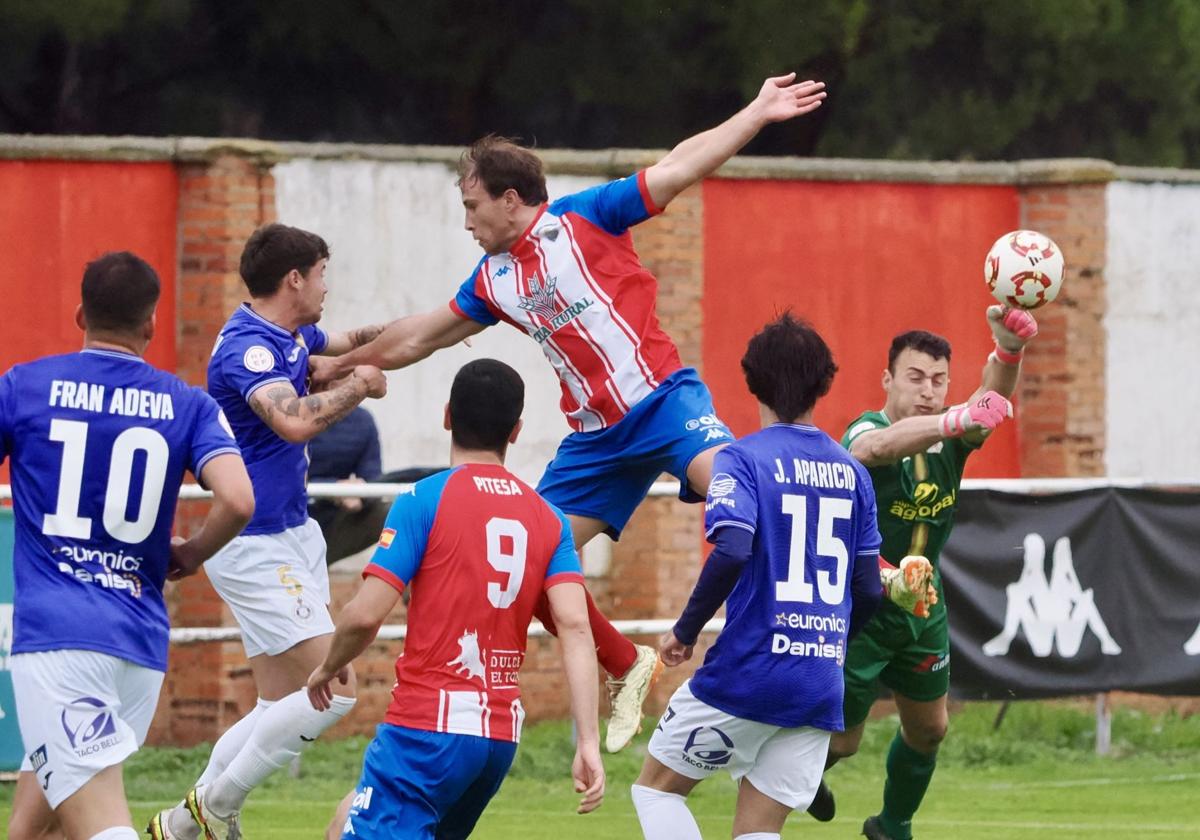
column 274, row 250
column 486, row 401
column 788, row 366
column 921, row 341
column 119, row 292
column 502, row 164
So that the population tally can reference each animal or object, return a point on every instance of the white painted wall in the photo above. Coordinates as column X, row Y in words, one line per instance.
column 1153, row 326
column 399, row 247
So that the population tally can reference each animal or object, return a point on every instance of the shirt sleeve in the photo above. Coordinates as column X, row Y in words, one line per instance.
column 732, row 495
column 405, row 535
column 315, row 338
column 247, row 363
column 6, row 415
column 212, row 435
column 615, row 206
column 564, row 564
column 869, row 538
column 468, row 303
column 858, row 427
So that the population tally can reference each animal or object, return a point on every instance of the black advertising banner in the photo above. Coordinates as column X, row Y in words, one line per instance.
column 1074, row 593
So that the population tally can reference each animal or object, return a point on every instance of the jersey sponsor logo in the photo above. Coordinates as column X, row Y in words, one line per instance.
column 708, row 748
column 258, row 359
column 809, row 621
column 90, row 726
column 925, row 503
column 118, row 571
column 706, row 421
column 820, row 649
column 295, row 354
column 1053, row 613
column 560, row 320
column 470, row 657
column 38, row 758
column 386, row 537
column 722, row 485
column 503, row 667
column 932, row 663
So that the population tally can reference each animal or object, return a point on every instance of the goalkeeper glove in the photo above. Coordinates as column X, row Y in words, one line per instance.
column 909, row 586
column 986, row 413
column 1012, row 329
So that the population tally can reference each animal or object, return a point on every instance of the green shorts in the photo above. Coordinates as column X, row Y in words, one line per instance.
column 914, row 663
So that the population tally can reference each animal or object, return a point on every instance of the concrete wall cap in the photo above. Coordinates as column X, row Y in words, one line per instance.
column 606, row 162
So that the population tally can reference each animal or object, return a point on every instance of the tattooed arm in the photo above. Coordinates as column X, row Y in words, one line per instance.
column 344, row 342
column 299, row 419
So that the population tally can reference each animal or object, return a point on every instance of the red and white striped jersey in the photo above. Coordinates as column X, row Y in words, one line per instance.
column 476, row 547
column 574, row 283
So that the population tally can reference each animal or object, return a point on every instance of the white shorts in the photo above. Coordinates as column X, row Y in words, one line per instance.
column 277, row 587
column 696, row 740
column 79, row 712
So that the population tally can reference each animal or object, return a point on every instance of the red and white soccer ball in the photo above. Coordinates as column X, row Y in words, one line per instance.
column 1024, row 269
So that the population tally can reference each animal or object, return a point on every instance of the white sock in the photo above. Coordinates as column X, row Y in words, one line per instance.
column 281, row 733
column 664, row 816
column 231, row 743
column 228, row 745
column 758, row 835
column 119, row 832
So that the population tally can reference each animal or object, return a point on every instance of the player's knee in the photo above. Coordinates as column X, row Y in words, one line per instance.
column 22, row 827
column 843, row 745
column 928, row 735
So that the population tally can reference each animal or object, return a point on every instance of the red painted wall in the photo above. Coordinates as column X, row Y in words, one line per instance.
column 55, row 216
column 862, row 262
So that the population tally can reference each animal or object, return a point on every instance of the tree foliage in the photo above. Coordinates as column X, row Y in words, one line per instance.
column 922, row 79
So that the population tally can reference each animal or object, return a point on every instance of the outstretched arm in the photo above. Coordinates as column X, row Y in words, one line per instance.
column 399, row 344
column 780, row 98
column 1012, row 330
column 341, row 343
column 299, row 419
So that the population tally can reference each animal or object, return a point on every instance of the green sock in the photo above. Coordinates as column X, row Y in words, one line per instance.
column 908, row 775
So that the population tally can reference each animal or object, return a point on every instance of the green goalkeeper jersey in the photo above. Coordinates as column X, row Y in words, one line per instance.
column 916, row 498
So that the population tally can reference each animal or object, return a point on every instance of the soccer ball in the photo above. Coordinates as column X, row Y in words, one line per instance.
column 1024, row 269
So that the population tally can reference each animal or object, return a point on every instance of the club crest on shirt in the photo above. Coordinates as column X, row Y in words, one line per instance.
column 258, row 359
column 541, row 299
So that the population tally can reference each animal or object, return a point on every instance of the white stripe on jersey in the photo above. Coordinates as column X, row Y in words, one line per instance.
column 576, row 383
column 579, row 326
column 518, row 718
column 620, row 322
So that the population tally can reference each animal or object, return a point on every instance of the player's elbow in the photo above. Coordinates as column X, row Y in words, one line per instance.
column 239, row 502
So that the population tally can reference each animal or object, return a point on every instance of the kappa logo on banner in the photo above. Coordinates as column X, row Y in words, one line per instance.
column 1054, row 613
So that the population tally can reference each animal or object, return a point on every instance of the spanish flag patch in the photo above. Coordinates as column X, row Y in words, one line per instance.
column 386, row 537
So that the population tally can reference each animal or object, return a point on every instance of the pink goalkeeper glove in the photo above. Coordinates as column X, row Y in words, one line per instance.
column 1012, row 329
column 987, row 412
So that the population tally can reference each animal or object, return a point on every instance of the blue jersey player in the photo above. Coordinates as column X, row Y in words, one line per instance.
column 478, row 538
column 99, row 442
column 792, row 517
column 273, row 576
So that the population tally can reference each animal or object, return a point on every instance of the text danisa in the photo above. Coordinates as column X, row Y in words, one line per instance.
column 816, row 473
column 131, row 402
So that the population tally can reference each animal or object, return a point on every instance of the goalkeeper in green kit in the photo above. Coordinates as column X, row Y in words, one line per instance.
column 916, row 450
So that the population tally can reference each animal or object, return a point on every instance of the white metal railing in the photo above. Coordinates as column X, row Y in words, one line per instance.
column 374, row 490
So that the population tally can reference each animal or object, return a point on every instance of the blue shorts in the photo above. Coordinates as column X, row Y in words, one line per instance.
column 606, row 474
column 419, row 785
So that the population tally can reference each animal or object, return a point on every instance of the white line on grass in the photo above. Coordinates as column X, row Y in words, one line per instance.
column 1073, row 783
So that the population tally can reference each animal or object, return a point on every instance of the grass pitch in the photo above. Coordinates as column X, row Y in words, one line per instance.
column 1036, row 777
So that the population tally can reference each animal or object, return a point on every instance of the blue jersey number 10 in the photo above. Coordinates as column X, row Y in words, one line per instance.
column 66, row 521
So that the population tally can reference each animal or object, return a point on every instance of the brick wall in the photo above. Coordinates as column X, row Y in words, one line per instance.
column 221, row 202
column 1062, row 390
